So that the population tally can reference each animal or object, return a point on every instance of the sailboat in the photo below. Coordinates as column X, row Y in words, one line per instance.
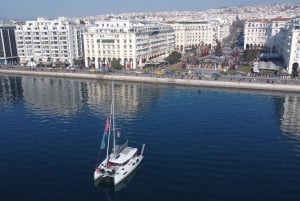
column 121, row 160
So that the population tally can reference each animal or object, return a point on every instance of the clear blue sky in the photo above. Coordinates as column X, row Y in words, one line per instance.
column 31, row 9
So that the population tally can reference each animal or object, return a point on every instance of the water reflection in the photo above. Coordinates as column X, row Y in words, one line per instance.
column 65, row 97
column 290, row 120
column 52, row 96
column 111, row 191
column 11, row 90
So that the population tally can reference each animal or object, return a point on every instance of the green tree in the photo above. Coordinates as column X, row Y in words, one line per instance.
column 191, row 59
column 295, row 72
column 218, row 50
column 40, row 64
column 116, row 64
column 173, row 57
column 251, row 54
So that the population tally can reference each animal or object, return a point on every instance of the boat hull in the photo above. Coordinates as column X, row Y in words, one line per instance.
column 120, row 173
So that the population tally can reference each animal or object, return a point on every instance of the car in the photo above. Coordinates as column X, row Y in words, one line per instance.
column 216, row 76
column 72, row 68
column 100, row 70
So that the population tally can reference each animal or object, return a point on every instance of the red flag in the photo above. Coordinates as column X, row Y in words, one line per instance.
column 106, row 125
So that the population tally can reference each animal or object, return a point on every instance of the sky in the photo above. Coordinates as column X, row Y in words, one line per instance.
column 31, row 9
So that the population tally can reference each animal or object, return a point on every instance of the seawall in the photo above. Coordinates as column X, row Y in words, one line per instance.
column 187, row 82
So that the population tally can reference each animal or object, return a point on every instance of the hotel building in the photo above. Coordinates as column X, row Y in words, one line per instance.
column 263, row 33
column 8, row 49
column 199, row 34
column 132, row 43
column 289, row 45
column 58, row 40
column 279, row 36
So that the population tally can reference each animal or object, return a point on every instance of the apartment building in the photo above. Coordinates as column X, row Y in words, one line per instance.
column 8, row 49
column 289, row 45
column 132, row 43
column 278, row 36
column 263, row 33
column 199, row 34
column 43, row 40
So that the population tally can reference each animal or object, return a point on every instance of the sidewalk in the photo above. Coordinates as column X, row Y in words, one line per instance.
column 150, row 78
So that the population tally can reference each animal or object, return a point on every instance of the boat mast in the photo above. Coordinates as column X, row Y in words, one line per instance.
column 110, row 128
column 113, row 113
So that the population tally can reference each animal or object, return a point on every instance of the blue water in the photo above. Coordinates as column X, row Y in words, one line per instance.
column 201, row 144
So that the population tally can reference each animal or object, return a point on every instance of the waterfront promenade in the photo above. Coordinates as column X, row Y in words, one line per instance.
column 245, row 83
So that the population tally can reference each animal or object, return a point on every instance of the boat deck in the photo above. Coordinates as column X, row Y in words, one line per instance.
column 125, row 155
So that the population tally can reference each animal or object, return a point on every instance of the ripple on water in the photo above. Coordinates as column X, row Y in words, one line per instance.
column 211, row 145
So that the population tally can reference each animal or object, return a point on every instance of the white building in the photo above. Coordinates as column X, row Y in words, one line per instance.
column 49, row 40
column 290, row 45
column 133, row 43
column 263, row 33
column 279, row 36
column 199, row 34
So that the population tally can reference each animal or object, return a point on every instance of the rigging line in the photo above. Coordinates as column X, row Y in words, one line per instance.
column 110, row 128
column 98, row 159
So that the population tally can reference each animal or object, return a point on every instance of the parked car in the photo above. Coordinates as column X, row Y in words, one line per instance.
column 216, row 76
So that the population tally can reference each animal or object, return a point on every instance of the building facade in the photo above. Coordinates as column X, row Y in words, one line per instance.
column 263, row 33
column 199, row 34
column 8, row 49
column 289, row 45
column 279, row 36
column 132, row 43
column 43, row 40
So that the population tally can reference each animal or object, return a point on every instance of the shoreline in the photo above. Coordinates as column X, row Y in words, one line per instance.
column 269, row 87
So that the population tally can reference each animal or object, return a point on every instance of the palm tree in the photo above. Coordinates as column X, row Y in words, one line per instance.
column 57, row 63
column 49, row 61
column 40, row 62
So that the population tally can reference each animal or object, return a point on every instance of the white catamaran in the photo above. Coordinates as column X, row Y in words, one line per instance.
column 122, row 160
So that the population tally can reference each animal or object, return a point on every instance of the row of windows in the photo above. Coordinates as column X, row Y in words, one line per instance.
column 41, row 33
column 264, row 25
column 43, row 23
column 42, row 28
column 109, row 52
column 46, row 54
column 110, row 46
column 262, row 31
column 192, row 27
column 42, row 38
column 111, row 25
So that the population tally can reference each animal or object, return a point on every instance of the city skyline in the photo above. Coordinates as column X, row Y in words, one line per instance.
column 70, row 8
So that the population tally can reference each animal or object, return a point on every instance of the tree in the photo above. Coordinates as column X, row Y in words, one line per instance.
column 295, row 70
column 191, row 59
column 251, row 54
column 40, row 64
column 116, row 64
column 218, row 50
column 57, row 63
column 173, row 57
column 49, row 62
